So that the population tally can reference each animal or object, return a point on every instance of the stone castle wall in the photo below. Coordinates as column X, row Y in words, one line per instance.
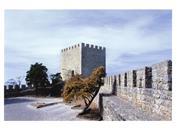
column 70, row 61
column 81, row 59
column 15, row 87
column 149, row 88
column 16, row 90
column 162, row 75
column 92, row 57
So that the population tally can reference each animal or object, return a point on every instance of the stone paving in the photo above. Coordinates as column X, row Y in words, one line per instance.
column 21, row 109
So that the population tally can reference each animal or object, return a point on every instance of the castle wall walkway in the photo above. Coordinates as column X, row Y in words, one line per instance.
column 140, row 94
column 117, row 109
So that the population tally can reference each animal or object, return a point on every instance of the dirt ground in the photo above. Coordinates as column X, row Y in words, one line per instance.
column 92, row 114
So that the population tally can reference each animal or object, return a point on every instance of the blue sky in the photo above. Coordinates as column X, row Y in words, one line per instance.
column 133, row 38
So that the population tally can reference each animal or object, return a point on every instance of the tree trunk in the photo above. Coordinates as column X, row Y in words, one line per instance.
column 88, row 105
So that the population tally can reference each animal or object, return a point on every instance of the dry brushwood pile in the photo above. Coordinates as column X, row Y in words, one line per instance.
column 81, row 88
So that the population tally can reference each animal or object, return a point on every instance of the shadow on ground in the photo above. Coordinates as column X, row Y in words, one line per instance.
column 16, row 100
column 91, row 114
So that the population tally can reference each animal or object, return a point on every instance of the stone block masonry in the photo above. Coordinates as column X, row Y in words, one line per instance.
column 162, row 75
column 91, row 57
column 144, row 77
column 148, row 89
column 117, row 109
column 131, row 78
column 81, row 59
column 70, row 61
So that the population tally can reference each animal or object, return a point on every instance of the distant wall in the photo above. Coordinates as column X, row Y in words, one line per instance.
column 149, row 88
column 15, row 91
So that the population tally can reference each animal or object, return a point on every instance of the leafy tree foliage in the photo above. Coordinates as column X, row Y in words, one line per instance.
column 37, row 76
column 57, row 84
column 56, row 78
column 82, row 88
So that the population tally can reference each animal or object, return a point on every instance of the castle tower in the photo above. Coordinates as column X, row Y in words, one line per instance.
column 81, row 59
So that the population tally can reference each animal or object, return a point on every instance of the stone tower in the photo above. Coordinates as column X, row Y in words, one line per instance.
column 81, row 59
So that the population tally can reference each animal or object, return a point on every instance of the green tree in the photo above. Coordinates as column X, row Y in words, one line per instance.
column 85, row 89
column 55, row 78
column 57, row 84
column 37, row 76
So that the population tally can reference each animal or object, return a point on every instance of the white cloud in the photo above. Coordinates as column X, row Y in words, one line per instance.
column 32, row 36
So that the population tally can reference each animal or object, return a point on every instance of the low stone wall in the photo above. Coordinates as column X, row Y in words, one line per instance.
column 17, row 91
column 149, row 88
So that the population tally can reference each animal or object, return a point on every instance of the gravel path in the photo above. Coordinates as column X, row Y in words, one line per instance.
column 20, row 109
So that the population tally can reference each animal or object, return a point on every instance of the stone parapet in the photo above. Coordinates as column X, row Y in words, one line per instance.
column 149, row 88
column 162, row 75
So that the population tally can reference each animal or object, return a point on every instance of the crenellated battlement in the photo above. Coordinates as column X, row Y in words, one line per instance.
column 15, row 87
column 83, row 45
column 150, row 88
column 158, row 76
column 91, row 46
column 81, row 58
column 71, row 48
